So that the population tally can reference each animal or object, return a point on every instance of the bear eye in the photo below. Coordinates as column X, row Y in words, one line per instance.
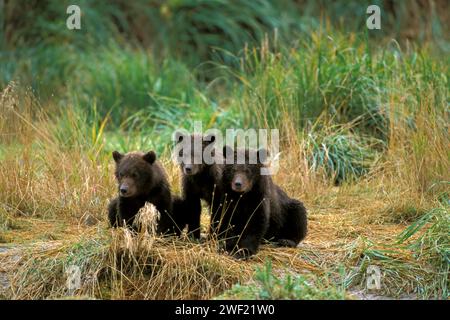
column 120, row 174
column 134, row 175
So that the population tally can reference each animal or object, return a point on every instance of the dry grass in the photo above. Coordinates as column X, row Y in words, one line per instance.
column 53, row 215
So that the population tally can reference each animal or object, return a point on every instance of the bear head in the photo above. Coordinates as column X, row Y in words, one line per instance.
column 242, row 169
column 135, row 172
column 194, row 152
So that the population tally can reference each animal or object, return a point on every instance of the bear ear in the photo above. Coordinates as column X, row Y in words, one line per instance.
column 117, row 156
column 179, row 136
column 150, row 157
column 263, row 154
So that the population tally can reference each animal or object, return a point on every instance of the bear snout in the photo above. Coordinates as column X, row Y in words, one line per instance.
column 188, row 169
column 191, row 169
column 123, row 189
column 240, row 183
column 127, row 188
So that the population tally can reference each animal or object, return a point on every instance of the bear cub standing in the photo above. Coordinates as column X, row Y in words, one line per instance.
column 141, row 179
column 200, row 181
column 256, row 207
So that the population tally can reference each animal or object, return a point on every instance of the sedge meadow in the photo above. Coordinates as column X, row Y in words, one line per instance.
column 363, row 118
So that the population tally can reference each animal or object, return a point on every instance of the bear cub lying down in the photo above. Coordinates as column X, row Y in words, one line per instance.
column 140, row 179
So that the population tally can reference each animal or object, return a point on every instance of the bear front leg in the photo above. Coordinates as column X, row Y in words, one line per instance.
column 193, row 210
column 247, row 247
column 252, row 235
column 243, row 247
column 113, row 216
column 178, row 217
column 168, row 223
column 126, row 212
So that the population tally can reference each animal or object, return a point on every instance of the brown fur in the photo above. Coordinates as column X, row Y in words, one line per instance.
column 256, row 207
column 201, row 182
column 140, row 179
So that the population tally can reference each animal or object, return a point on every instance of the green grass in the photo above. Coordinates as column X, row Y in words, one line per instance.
column 342, row 154
column 336, row 77
column 267, row 285
column 432, row 245
column 125, row 81
column 417, row 262
column 335, row 89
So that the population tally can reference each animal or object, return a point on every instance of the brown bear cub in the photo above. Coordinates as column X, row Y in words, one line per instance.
column 256, row 207
column 141, row 179
column 200, row 181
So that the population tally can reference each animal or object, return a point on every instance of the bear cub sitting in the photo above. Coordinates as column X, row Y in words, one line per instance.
column 256, row 207
column 140, row 179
